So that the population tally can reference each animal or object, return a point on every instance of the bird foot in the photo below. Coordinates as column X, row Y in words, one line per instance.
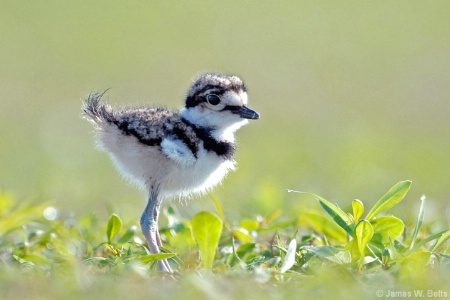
column 164, row 266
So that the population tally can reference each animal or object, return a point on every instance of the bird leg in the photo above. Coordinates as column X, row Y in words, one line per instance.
column 156, row 211
column 149, row 226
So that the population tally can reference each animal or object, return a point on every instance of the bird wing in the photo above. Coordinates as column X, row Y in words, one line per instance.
column 160, row 127
column 178, row 151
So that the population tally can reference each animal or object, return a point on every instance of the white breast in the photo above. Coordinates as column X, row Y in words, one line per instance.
column 207, row 171
column 175, row 170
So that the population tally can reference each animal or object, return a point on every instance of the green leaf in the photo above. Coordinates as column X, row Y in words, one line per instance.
column 387, row 228
column 95, row 259
column 246, row 252
column 113, row 228
column 333, row 254
column 249, row 224
column 183, row 241
column 6, row 202
column 442, row 239
column 156, row 256
column 289, row 258
column 242, row 235
column 363, row 234
column 233, row 259
column 272, row 217
column 276, row 226
column 20, row 260
column 128, row 235
column 36, row 259
column 338, row 215
column 419, row 221
column 391, row 198
column 352, row 247
column 428, row 239
column 20, row 216
column 358, row 209
column 207, row 229
column 323, row 225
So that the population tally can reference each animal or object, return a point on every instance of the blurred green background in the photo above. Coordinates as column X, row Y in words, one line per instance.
column 354, row 97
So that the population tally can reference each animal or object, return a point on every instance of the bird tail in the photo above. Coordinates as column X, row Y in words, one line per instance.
column 95, row 111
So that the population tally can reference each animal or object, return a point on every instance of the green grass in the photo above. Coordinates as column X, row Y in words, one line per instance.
column 338, row 254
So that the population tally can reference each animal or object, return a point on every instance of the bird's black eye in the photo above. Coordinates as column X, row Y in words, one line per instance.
column 213, row 99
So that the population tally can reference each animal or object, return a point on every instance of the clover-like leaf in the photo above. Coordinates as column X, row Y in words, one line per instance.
column 113, row 228
column 358, row 209
column 207, row 229
column 387, row 228
column 363, row 234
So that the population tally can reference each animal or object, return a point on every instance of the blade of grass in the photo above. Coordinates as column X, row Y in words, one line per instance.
column 442, row 239
column 427, row 240
column 419, row 221
column 217, row 204
column 155, row 256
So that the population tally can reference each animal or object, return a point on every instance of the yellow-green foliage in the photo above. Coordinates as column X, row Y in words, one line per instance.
column 370, row 253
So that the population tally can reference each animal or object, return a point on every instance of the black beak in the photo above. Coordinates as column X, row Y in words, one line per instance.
column 247, row 113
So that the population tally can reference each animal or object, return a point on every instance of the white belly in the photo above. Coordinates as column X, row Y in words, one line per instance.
column 208, row 171
column 151, row 169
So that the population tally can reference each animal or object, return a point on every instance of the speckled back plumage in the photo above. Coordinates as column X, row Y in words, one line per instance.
column 150, row 125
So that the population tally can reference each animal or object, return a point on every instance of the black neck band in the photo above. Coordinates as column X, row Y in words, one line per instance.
column 221, row 148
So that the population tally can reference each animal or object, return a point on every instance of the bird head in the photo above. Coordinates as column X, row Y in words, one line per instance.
column 218, row 101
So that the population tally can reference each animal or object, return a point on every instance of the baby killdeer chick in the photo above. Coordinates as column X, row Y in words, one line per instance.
column 174, row 154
